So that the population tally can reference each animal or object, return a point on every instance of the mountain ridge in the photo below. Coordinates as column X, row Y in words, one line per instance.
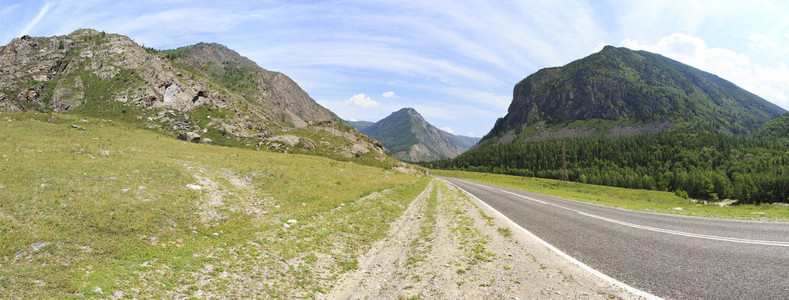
column 407, row 136
column 638, row 90
column 635, row 119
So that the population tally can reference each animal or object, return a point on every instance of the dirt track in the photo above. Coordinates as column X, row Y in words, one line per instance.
column 445, row 247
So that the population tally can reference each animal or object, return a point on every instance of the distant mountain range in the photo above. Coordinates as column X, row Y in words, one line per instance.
column 639, row 120
column 360, row 125
column 408, row 137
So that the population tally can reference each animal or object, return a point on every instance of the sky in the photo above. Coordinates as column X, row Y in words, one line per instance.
column 456, row 62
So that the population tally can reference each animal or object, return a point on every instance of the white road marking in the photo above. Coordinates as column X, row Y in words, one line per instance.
column 643, row 227
column 578, row 263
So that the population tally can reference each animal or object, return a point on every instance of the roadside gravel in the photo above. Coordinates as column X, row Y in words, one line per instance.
column 447, row 246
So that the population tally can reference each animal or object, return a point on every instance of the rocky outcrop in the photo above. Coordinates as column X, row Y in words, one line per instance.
column 274, row 90
column 52, row 73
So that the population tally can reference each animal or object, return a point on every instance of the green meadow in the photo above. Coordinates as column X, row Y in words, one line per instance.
column 634, row 199
column 99, row 208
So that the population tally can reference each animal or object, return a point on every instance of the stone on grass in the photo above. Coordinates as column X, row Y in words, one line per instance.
column 38, row 245
column 189, row 136
column 727, row 202
column 194, row 187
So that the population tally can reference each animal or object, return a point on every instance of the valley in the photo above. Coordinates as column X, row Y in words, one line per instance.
column 98, row 208
column 132, row 172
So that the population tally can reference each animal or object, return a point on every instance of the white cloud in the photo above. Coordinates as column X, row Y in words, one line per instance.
column 471, row 133
column 388, row 94
column 361, row 100
column 769, row 82
column 448, row 129
column 500, row 102
column 37, row 19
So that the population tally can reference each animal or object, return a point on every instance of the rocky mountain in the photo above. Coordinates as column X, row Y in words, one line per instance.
column 638, row 120
column 203, row 92
column 620, row 91
column 408, row 137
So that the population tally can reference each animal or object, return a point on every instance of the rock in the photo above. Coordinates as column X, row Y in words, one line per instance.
column 189, row 136
column 98, row 290
column 77, row 127
column 727, row 202
column 105, row 153
column 677, row 208
column 194, row 187
column 308, row 143
column 38, row 245
column 781, row 204
column 290, row 140
column 207, row 141
column 292, row 221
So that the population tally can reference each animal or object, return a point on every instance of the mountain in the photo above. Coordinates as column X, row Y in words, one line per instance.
column 408, row 137
column 639, row 120
column 776, row 130
column 620, row 91
column 360, row 125
column 204, row 92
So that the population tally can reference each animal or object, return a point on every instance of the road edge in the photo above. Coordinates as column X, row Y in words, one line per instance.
column 561, row 253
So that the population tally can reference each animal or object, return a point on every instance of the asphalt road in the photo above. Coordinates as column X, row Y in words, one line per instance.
column 669, row 256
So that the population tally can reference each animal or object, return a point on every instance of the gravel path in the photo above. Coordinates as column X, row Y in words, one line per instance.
column 446, row 246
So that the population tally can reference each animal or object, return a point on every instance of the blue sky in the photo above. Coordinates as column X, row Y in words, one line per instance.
column 456, row 62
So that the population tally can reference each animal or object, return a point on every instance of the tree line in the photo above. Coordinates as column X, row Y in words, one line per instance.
column 703, row 165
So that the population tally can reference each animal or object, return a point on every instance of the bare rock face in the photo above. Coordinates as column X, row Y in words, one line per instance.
column 61, row 73
column 50, row 73
column 275, row 90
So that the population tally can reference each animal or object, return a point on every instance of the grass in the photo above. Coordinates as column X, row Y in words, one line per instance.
column 110, row 214
column 643, row 200
column 472, row 241
column 420, row 245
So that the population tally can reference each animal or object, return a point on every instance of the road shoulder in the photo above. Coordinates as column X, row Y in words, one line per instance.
column 447, row 245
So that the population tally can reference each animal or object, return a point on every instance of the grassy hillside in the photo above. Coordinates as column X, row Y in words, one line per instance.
column 90, row 207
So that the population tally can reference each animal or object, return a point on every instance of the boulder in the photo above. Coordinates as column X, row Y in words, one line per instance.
column 727, row 202
column 189, row 136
